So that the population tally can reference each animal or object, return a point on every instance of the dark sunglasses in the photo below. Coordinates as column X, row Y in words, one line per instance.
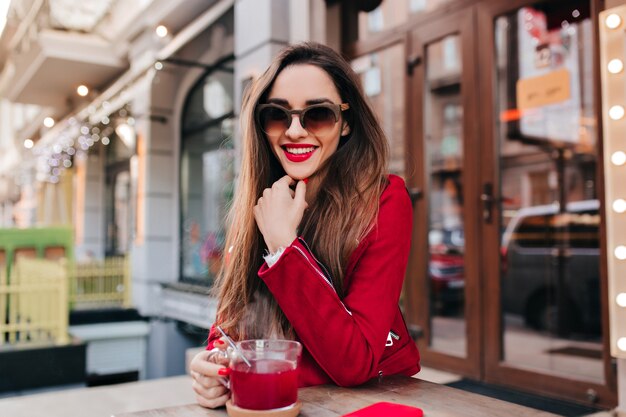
column 317, row 119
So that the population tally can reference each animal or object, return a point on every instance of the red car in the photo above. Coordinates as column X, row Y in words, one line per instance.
column 447, row 279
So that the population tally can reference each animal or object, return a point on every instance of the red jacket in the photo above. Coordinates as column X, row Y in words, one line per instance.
column 352, row 340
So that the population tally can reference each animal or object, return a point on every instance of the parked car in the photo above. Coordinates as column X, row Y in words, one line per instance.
column 550, row 271
column 446, row 270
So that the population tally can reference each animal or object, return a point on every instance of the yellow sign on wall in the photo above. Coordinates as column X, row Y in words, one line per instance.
column 546, row 89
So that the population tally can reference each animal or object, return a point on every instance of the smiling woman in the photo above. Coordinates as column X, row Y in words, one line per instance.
column 303, row 140
column 319, row 233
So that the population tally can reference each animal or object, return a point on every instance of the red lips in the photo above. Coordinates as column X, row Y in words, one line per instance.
column 298, row 157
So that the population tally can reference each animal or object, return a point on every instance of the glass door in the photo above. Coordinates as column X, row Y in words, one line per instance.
column 443, row 266
column 541, row 201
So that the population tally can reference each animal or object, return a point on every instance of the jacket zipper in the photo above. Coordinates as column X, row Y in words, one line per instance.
column 326, row 280
column 390, row 336
column 321, row 265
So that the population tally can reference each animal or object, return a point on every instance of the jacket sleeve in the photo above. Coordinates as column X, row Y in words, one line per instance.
column 213, row 336
column 347, row 339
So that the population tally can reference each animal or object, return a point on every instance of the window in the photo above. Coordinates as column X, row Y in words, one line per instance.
column 117, row 197
column 206, row 174
column 393, row 13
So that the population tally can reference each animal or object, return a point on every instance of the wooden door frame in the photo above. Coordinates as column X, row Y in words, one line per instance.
column 495, row 371
column 462, row 22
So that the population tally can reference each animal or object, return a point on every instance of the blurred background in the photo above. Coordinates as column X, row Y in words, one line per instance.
column 119, row 150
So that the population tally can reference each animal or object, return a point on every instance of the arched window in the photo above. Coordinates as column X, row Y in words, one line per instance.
column 206, row 174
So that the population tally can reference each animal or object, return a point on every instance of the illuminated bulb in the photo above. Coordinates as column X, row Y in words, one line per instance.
column 127, row 134
column 621, row 343
column 616, row 112
column 575, row 13
column 28, row 143
column 105, row 141
column 619, row 205
column 621, row 299
column 613, row 21
column 161, row 31
column 615, row 66
column 620, row 252
column 158, row 66
column 618, row 158
column 48, row 122
column 82, row 90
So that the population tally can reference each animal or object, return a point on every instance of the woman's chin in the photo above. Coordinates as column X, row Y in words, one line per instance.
column 299, row 175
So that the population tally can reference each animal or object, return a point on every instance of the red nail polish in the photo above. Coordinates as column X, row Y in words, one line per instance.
column 218, row 342
column 224, row 372
column 306, row 180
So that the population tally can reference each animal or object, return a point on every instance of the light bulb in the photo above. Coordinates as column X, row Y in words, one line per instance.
column 48, row 122
column 621, row 343
column 616, row 112
column 82, row 90
column 620, row 252
column 161, row 31
column 618, row 158
column 619, row 205
column 615, row 66
column 613, row 21
column 621, row 299
column 28, row 143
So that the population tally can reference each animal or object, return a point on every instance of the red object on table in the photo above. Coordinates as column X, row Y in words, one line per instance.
column 387, row 409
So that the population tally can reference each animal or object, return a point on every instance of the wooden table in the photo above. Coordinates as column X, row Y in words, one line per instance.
column 327, row 401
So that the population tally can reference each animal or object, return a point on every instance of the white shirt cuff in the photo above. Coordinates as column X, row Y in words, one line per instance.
column 272, row 258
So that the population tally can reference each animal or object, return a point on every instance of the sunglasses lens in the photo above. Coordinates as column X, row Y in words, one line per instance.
column 318, row 119
column 274, row 120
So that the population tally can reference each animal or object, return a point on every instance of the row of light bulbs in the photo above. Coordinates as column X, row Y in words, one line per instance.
column 616, row 112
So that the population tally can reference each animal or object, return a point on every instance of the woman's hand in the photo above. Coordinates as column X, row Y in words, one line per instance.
column 206, row 369
column 279, row 212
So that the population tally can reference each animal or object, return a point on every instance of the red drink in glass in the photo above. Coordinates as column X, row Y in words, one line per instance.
column 267, row 384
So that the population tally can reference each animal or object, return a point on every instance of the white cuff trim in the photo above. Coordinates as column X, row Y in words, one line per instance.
column 272, row 258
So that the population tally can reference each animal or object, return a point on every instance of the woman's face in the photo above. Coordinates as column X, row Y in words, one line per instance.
column 299, row 151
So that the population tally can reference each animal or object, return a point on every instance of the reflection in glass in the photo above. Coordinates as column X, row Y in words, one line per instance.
column 393, row 13
column 550, row 212
column 443, row 121
column 382, row 76
column 206, row 176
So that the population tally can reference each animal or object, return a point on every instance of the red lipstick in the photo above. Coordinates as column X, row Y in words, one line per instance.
column 298, row 157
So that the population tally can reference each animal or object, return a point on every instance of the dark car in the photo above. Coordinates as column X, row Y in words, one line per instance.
column 551, row 267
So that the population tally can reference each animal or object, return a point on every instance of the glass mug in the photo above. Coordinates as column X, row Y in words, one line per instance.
column 270, row 381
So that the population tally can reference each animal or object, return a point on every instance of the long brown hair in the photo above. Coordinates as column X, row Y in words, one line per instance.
column 343, row 212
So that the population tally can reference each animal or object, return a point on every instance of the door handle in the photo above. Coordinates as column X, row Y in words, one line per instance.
column 411, row 63
column 487, row 200
column 415, row 194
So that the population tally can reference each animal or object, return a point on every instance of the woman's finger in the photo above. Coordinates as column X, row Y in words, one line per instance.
column 285, row 181
column 210, row 392
column 213, row 402
column 300, row 194
column 207, row 381
column 208, row 363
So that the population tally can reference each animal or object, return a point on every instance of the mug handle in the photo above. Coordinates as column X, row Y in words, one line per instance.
column 220, row 356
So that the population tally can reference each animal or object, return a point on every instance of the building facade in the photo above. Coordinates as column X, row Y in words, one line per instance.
column 493, row 110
